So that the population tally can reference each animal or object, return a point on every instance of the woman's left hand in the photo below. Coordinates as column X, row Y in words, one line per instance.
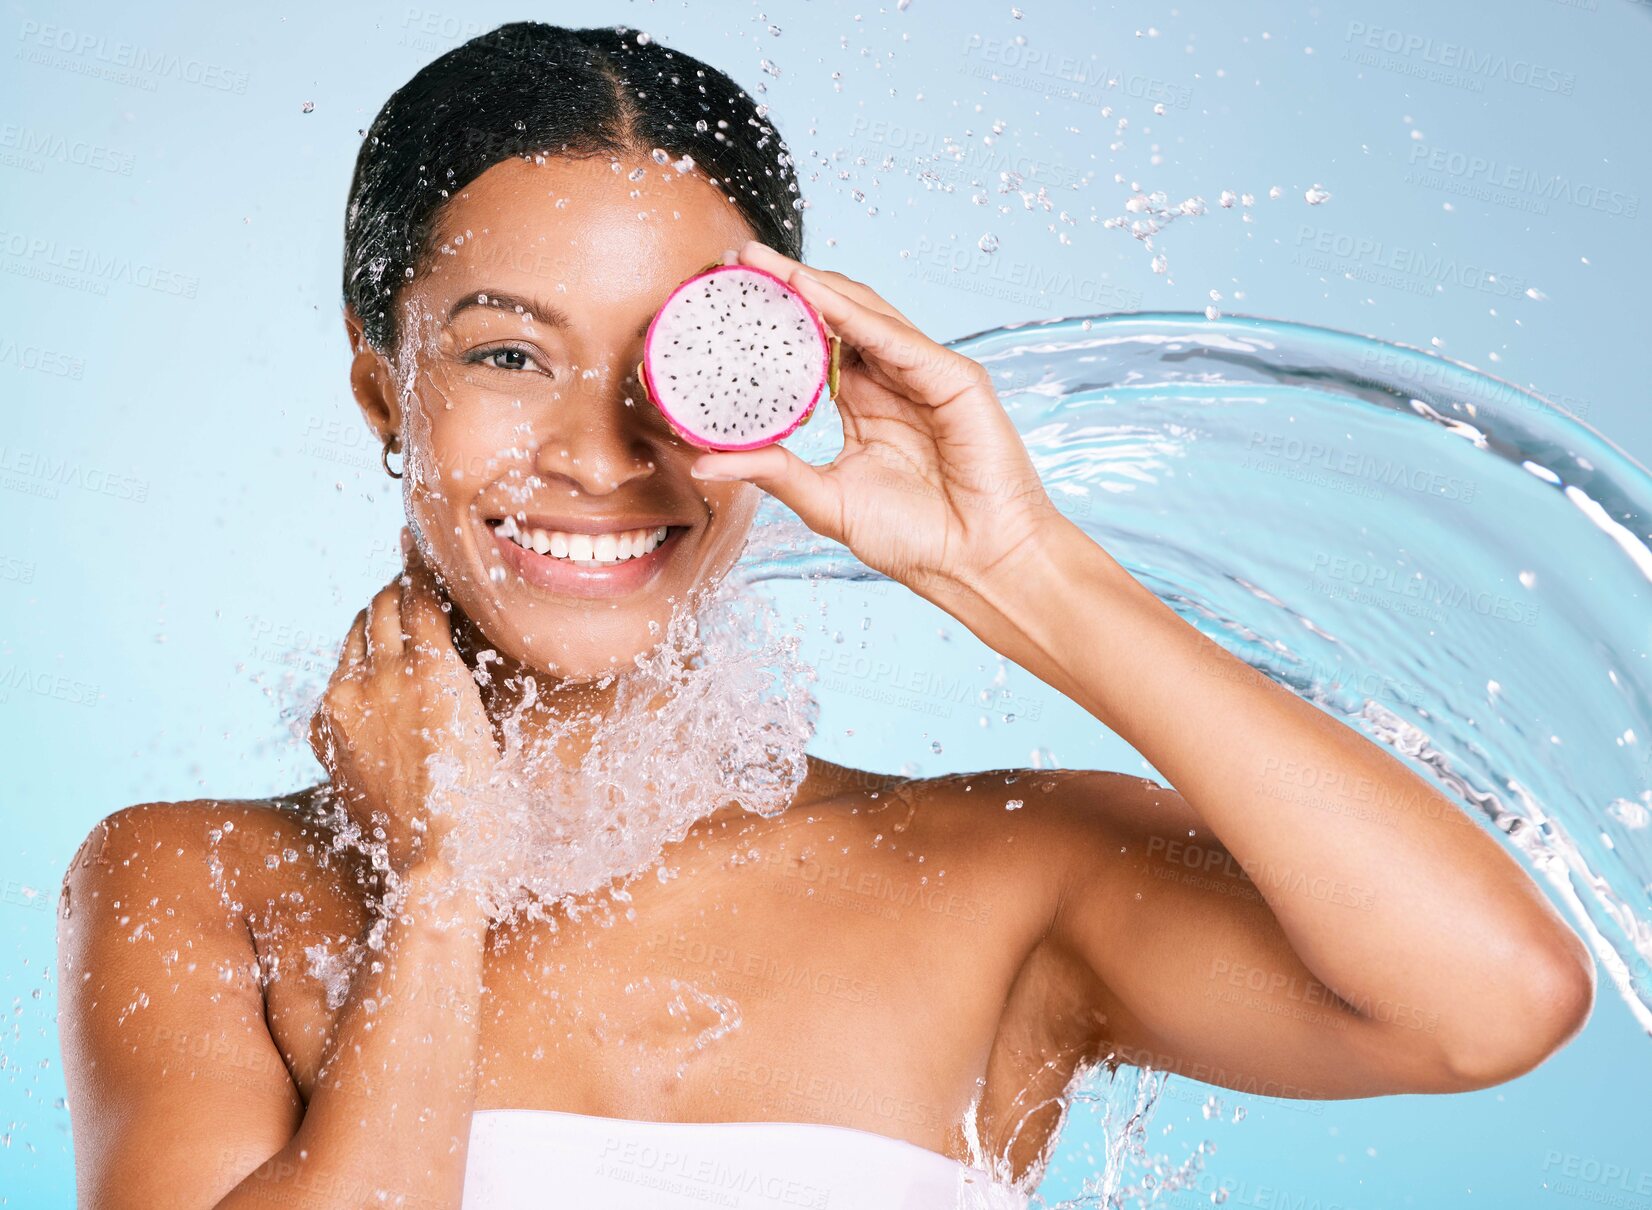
column 934, row 487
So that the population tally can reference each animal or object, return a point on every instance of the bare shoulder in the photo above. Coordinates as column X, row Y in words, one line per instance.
column 162, row 1015
column 1010, row 839
column 164, row 844
column 203, row 860
column 1053, row 816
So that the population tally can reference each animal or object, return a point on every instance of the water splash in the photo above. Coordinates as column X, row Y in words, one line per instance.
column 1450, row 563
column 719, row 713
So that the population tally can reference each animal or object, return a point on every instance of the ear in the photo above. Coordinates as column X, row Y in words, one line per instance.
column 370, row 381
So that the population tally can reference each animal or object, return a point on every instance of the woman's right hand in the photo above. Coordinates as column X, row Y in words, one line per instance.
column 401, row 728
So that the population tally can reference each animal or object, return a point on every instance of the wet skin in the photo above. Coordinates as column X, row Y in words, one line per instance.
column 898, row 951
column 885, row 944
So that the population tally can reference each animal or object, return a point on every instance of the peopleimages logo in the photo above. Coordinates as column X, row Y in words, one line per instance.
column 930, row 154
column 1013, row 62
column 27, row 147
column 1527, row 182
column 1456, row 57
column 80, row 267
column 42, row 40
column 1395, row 265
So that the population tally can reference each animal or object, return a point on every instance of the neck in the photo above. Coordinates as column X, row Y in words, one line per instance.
column 558, row 718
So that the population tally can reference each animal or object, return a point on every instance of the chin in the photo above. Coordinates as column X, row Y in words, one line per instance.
column 573, row 644
column 602, row 650
column 575, row 600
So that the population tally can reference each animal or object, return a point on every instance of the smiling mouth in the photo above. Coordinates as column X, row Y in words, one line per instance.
column 584, row 550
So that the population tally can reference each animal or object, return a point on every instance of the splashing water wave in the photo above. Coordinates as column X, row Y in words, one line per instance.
column 1454, row 565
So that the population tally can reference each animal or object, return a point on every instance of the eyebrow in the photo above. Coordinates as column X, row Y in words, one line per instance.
column 537, row 309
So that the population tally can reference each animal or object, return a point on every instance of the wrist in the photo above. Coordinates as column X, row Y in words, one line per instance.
column 1058, row 591
column 1025, row 578
column 431, row 892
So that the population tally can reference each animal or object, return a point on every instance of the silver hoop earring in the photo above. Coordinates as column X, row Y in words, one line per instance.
column 393, row 446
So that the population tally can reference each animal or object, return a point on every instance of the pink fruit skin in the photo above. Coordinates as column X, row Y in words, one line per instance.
column 825, row 354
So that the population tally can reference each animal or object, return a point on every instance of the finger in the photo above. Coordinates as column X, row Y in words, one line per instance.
column 384, row 628
column 761, row 256
column 425, row 622
column 923, row 370
column 352, row 656
column 340, row 689
column 428, row 621
column 355, row 643
column 814, row 497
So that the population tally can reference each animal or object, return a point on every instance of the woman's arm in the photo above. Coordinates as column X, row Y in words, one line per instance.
column 1444, row 963
column 179, row 1095
column 935, row 489
column 389, row 1121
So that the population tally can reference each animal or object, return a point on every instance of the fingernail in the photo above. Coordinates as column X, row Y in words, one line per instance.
column 711, row 474
column 730, row 256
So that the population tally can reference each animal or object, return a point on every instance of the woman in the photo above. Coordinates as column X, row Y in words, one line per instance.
column 917, row 974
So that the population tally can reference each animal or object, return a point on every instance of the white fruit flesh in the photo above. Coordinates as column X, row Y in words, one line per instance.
column 735, row 358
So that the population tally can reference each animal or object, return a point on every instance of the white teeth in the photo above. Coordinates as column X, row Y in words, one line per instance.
column 590, row 549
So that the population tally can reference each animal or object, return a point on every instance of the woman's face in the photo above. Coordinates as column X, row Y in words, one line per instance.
column 538, row 476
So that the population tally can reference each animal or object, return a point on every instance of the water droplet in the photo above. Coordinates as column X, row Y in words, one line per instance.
column 1317, row 196
column 987, row 243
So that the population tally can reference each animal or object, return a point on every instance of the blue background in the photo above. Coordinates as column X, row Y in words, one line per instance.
column 195, row 512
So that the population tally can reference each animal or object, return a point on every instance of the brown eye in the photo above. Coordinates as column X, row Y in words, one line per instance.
column 505, row 357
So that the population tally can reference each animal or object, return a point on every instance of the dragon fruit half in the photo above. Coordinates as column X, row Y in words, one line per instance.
column 735, row 359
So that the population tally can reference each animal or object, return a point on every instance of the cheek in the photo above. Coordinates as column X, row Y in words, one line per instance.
column 456, row 452
column 732, row 505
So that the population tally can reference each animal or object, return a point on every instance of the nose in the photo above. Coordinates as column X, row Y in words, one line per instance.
column 602, row 440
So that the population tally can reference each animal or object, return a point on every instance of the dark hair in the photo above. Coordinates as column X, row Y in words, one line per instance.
column 529, row 89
